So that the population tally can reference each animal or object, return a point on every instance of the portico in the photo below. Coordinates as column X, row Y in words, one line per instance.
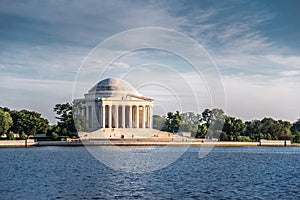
column 114, row 115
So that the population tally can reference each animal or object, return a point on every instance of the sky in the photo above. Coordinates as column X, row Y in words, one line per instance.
column 254, row 45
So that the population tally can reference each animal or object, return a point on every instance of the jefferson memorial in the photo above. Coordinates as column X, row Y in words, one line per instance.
column 114, row 104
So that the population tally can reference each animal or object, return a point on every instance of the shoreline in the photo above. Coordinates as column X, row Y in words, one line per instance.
column 129, row 142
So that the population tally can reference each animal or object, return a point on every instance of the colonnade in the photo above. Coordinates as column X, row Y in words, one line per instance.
column 120, row 116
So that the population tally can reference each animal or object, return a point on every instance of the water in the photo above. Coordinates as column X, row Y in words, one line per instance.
column 225, row 173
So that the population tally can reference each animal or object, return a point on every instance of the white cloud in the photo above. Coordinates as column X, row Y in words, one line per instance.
column 34, row 94
column 287, row 61
column 252, row 97
column 120, row 65
column 290, row 73
column 259, row 79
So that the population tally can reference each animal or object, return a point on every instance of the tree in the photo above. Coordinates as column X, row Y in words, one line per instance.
column 208, row 116
column 295, row 130
column 233, row 128
column 201, row 131
column 69, row 123
column 253, row 130
column 190, row 122
column 5, row 122
column 15, row 115
column 296, row 138
column 23, row 136
column 173, row 122
column 65, row 119
column 272, row 129
column 211, row 123
column 267, row 127
column 296, row 127
column 81, row 122
column 158, row 122
column 29, row 122
column 11, row 135
column 5, row 109
column 283, row 130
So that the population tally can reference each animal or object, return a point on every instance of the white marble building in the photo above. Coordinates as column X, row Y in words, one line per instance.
column 112, row 103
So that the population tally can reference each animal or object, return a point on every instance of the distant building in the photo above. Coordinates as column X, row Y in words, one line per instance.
column 113, row 103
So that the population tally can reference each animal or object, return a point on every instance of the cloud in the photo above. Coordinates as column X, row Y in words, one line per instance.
column 35, row 94
column 48, row 41
column 257, row 96
column 287, row 61
column 80, row 23
column 290, row 73
column 120, row 65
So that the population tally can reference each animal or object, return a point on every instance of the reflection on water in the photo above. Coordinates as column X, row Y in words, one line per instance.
column 137, row 159
column 225, row 173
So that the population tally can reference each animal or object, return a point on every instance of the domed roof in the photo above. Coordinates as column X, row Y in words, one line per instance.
column 113, row 85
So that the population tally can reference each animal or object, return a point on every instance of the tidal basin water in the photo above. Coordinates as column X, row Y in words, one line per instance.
column 225, row 173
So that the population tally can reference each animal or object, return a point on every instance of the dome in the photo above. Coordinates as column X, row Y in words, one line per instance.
column 113, row 85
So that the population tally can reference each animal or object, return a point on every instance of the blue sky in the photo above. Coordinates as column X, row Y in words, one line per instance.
column 255, row 45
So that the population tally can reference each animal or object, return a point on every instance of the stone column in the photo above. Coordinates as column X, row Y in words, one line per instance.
column 116, row 116
column 92, row 116
column 130, row 116
column 87, row 113
column 147, row 116
column 137, row 117
column 150, row 117
column 103, row 116
column 109, row 116
column 99, row 116
column 144, row 117
column 123, row 116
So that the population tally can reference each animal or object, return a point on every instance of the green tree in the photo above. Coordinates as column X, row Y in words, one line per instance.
column 69, row 119
column 296, row 138
column 208, row 116
column 16, row 116
column 65, row 119
column 29, row 122
column 283, row 130
column 172, row 123
column 158, row 122
column 295, row 127
column 5, row 109
column 267, row 127
column 54, row 136
column 190, row 122
column 201, row 131
column 23, row 136
column 295, row 130
column 253, row 130
column 5, row 122
column 233, row 128
column 211, row 123
column 273, row 129
column 11, row 135
column 81, row 122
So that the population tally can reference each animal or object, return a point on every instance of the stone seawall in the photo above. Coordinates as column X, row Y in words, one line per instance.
column 137, row 142
column 17, row 143
column 275, row 143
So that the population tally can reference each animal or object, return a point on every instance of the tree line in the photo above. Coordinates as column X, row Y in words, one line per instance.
column 21, row 124
column 214, row 123
column 211, row 123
